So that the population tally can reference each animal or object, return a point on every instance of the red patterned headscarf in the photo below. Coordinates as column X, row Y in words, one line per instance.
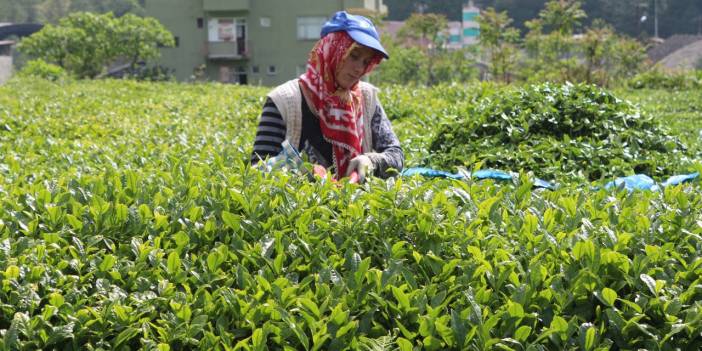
column 340, row 110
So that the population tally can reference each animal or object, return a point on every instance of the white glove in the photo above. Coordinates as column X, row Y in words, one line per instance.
column 361, row 164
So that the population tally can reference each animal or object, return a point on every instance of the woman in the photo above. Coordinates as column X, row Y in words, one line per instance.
column 328, row 113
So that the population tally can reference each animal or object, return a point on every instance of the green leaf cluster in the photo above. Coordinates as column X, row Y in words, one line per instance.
column 130, row 220
column 559, row 132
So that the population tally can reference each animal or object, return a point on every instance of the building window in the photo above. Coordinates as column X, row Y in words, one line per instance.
column 200, row 22
column 265, row 22
column 254, row 69
column 177, row 41
column 309, row 28
column 228, row 30
column 272, row 70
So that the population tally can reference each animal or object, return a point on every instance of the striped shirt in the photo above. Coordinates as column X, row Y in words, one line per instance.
column 271, row 133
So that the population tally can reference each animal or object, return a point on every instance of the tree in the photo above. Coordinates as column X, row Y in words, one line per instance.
column 563, row 16
column 426, row 30
column 550, row 44
column 498, row 40
column 410, row 64
column 596, row 42
column 406, row 66
column 19, row 11
column 674, row 16
column 85, row 43
column 53, row 10
column 400, row 10
column 139, row 38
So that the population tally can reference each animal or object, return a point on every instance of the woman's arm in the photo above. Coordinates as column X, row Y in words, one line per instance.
column 388, row 153
column 270, row 133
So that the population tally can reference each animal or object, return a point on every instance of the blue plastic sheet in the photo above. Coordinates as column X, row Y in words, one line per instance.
column 540, row 183
column 644, row 182
column 633, row 182
column 480, row 175
column 491, row 174
column 679, row 179
column 430, row 173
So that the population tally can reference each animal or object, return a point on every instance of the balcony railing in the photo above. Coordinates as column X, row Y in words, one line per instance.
column 229, row 50
column 226, row 5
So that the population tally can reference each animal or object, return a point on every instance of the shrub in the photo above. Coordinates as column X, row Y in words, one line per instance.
column 566, row 131
column 41, row 69
column 129, row 221
column 658, row 78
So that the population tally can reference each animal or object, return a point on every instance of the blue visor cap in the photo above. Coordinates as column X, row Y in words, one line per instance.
column 361, row 29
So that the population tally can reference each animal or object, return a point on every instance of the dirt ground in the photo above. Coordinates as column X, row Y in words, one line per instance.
column 686, row 58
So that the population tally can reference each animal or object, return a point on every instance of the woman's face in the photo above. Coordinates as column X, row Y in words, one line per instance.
column 352, row 68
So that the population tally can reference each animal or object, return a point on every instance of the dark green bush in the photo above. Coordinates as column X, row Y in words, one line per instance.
column 568, row 131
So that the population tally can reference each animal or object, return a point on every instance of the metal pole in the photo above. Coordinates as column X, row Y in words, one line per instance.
column 655, row 18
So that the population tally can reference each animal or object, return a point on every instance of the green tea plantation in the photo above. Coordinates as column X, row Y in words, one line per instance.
column 130, row 219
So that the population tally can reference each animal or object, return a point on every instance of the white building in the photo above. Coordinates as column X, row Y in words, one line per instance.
column 465, row 32
column 471, row 28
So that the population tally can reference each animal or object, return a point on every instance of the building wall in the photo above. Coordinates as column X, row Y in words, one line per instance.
column 471, row 27
column 273, row 45
column 180, row 17
column 5, row 68
column 278, row 45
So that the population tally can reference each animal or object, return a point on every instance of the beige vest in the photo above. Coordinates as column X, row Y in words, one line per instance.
column 288, row 98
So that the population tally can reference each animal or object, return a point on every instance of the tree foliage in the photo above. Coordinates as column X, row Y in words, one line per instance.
column 599, row 55
column 424, row 27
column 419, row 55
column 85, row 43
column 674, row 16
column 426, row 30
column 499, row 40
column 51, row 11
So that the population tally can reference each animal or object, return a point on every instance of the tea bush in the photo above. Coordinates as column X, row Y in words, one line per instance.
column 129, row 220
column 568, row 131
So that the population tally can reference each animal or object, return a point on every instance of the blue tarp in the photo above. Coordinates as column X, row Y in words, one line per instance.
column 644, row 182
column 678, row 179
column 633, row 182
column 636, row 181
column 430, row 173
column 491, row 174
column 480, row 175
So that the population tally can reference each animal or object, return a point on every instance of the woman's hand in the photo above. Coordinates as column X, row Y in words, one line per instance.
column 362, row 165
